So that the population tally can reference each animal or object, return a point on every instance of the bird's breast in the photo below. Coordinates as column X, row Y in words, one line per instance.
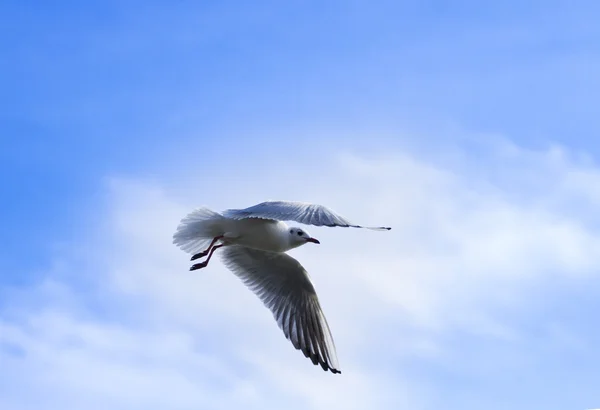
column 263, row 234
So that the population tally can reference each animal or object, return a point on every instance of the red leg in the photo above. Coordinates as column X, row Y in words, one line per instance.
column 205, row 263
column 205, row 252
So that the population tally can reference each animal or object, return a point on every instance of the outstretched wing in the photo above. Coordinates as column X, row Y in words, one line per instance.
column 309, row 214
column 284, row 287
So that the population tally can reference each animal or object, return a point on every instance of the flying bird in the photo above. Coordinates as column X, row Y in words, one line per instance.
column 255, row 241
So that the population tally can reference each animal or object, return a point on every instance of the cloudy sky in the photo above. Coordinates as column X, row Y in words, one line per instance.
column 471, row 129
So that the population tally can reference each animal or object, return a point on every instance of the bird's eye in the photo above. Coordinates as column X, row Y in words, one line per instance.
column 292, row 231
column 299, row 233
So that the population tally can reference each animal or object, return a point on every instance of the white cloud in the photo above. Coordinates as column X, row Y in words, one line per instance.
column 471, row 237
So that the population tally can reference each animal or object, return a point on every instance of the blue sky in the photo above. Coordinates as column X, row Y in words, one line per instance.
column 470, row 127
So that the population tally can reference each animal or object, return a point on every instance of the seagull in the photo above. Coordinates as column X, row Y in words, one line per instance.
column 255, row 241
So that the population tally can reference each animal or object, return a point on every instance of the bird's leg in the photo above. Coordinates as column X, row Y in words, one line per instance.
column 205, row 252
column 205, row 263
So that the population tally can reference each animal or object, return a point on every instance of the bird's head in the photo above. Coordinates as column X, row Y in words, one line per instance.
column 299, row 237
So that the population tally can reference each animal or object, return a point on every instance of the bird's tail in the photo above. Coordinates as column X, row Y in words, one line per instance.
column 197, row 230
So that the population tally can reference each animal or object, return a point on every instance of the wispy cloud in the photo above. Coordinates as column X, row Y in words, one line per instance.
column 479, row 242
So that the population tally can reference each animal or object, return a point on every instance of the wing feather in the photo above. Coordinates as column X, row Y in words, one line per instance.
column 309, row 214
column 285, row 288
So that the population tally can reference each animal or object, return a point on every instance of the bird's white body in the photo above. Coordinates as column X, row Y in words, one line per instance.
column 262, row 234
column 254, row 242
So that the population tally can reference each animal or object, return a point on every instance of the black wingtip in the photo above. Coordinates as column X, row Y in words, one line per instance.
column 325, row 366
column 378, row 228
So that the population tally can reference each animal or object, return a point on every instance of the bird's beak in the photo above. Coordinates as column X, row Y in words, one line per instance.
column 313, row 240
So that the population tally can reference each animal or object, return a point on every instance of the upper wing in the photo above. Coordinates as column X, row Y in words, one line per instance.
column 309, row 214
column 284, row 287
